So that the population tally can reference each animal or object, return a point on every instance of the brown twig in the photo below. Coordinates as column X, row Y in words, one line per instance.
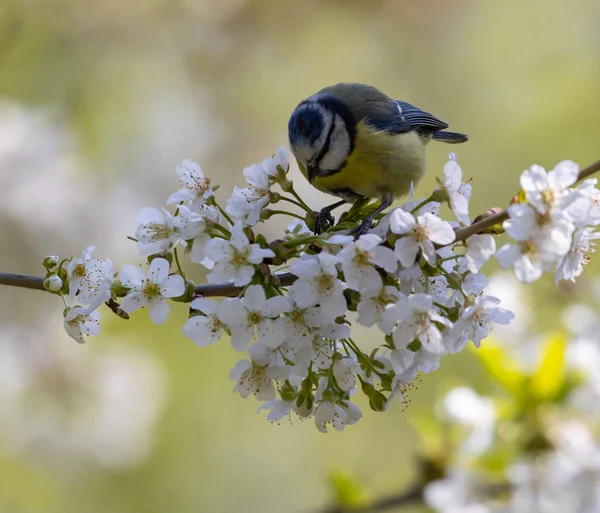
column 465, row 233
column 412, row 496
column 20, row 280
column 286, row 279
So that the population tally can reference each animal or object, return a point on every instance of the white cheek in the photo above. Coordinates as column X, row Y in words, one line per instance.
column 339, row 147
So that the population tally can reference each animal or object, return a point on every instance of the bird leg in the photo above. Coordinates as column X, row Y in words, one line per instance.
column 324, row 218
column 367, row 222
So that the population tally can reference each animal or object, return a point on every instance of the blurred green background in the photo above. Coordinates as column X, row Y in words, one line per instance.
column 100, row 100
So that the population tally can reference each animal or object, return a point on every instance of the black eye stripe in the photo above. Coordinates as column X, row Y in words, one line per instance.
column 325, row 148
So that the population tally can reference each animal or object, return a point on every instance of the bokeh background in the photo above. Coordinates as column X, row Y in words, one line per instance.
column 100, row 100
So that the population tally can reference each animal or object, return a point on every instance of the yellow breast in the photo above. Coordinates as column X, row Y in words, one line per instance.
column 380, row 163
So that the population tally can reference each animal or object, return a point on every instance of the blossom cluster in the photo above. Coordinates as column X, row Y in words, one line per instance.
column 534, row 444
column 409, row 278
column 554, row 228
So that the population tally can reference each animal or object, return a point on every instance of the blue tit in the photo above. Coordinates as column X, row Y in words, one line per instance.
column 352, row 141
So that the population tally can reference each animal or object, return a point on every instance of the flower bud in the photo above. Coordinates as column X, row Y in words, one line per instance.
column 440, row 195
column 53, row 283
column 286, row 185
column 274, row 197
column 265, row 214
column 51, row 261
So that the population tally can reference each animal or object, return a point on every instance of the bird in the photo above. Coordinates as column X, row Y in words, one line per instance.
column 354, row 142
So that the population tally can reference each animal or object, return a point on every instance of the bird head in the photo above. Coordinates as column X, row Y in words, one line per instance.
column 321, row 132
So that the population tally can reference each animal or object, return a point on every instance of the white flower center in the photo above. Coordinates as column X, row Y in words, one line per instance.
column 361, row 258
column 324, row 282
column 197, row 184
column 79, row 270
column 215, row 324
column 420, row 233
column 150, row 289
column 239, row 258
column 549, row 197
column 156, row 231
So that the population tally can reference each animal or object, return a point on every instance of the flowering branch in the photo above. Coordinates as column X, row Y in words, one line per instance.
column 286, row 279
column 208, row 290
column 500, row 217
column 414, row 276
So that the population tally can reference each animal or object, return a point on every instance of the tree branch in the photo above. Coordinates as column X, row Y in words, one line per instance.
column 412, row 496
column 285, row 279
column 20, row 280
column 465, row 233
column 218, row 289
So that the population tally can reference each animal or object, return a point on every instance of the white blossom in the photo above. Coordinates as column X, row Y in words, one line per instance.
column 537, row 246
column 416, row 318
column 257, row 376
column 407, row 362
column 80, row 321
column 278, row 408
column 253, row 312
column 344, row 371
column 90, row 279
column 151, row 289
column 480, row 247
column 588, row 190
column 192, row 226
column 279, row 159
column 337, row 415
column 317, row 284
column 155, row 231
column 196, row 187
column 234, row 259
column 457, row 191
column 372, row 306
column 358, row 260
column 299, row 324
column 476, row 319
column 207, row 328
column 419, row 234
column 546, row 190
column 246, row 204
column 571, row 265
column 254, row 379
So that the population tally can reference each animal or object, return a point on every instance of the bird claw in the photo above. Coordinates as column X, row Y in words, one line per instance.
column 323, row 221
column 362, row 228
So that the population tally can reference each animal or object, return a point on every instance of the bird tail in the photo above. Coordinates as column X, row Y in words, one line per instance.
column 450, row 137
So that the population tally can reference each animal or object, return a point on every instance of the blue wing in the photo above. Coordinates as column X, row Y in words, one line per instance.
column 400, row 117
column 419, row 119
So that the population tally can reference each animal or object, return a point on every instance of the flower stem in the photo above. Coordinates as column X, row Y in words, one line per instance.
column 179, row 268
column 222, row 229
column 422, row 204
column 224, row 214
column 284, row 213
column 294, row 202
column 301, row 240
column 300, row 200
column 452, row 281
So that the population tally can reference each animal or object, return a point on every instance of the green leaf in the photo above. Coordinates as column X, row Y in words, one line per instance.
column 549, row 378
column 348, row 492
column 502, row 367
